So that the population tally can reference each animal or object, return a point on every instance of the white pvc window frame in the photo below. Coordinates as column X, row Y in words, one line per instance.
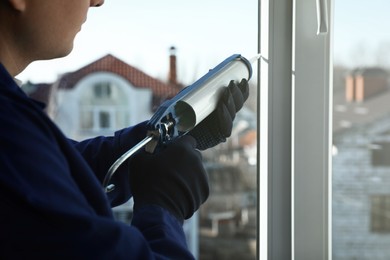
column 295, row 129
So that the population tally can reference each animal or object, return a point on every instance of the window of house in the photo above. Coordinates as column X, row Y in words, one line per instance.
column 104, row 119
column 86, row 119
column 103, row 108
column 380, row 154
column 102, row 90
column 97, row 118
column 380, row 213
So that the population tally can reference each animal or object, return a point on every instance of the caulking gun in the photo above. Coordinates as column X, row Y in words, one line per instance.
column 188, row 108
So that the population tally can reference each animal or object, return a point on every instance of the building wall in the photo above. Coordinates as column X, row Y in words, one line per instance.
column 370, row 86
column 355, row 181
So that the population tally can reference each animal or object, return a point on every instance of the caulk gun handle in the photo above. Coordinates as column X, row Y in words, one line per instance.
column 106, row 182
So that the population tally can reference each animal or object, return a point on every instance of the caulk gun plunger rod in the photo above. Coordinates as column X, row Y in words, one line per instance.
column 120, row 160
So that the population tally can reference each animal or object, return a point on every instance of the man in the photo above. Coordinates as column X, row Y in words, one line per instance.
column 51, row 197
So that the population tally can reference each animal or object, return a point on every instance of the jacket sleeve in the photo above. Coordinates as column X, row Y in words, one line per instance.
column 52, row 206
column 101, row 152
column 28, row 232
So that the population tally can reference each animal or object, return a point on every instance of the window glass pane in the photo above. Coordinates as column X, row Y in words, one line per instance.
column 86, row 119
column 380, row 210
column 361, row 130
column 94, row 101
column 226, row 223
column 104, row 119
column 102, row 90
column 122, row 118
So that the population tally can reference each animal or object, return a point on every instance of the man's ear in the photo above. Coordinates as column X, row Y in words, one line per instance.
column 18, row 5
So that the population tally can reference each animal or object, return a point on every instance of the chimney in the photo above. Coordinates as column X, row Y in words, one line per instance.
column 350, row 91
column 172, row 78
column 365, row 83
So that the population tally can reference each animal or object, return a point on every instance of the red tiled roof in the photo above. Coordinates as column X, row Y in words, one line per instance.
column 137, row 78
column 160, row 91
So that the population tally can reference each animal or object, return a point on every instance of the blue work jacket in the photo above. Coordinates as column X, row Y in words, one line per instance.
column 52, row 205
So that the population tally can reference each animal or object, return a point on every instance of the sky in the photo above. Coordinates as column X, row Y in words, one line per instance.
column 362, row 32
column 205, row 32
column 140, row 32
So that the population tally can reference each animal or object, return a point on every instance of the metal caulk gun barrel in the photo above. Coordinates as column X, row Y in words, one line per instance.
column 189, row 107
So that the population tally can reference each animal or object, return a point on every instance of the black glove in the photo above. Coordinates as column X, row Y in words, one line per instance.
column 173, row 178
column 217, row 126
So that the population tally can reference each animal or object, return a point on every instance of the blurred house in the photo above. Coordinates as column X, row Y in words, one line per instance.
column 103, row 96
column 361, row 166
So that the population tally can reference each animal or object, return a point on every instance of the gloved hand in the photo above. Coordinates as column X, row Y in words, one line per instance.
column 217, row 126
column 173, row 178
